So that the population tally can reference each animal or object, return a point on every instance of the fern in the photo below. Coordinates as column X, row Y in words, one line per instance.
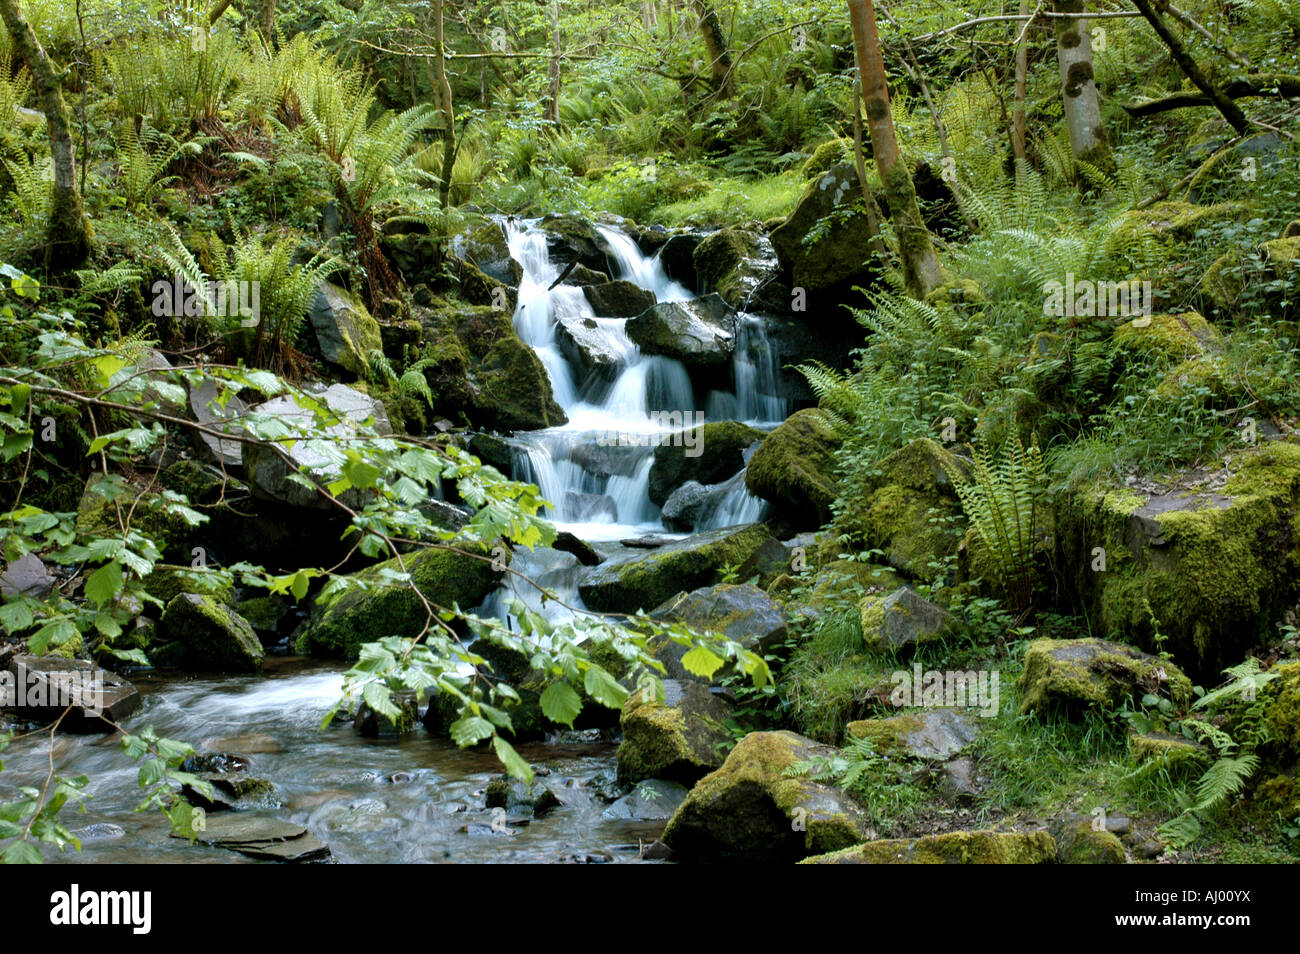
column 142, row 159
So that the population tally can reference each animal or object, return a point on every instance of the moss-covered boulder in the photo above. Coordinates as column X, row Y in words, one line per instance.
column 572, row 238
column 345, row 330
column 1072, row 675
column 371, row 607
column 903, row 619
column 108, row 504
column 739, row 611
column 485, row 245
column 838, row 254
column 741, row 267
column 1171, row 338
column 794, row 467
column 1169, row 750
column 680, row 739
column 482, row 373
column 700, row 333
column 1270, row 270
column 951, row 848
column 1079, row 843
column 1209, row 567
column 910, row 510
column 934, row 735
column 618, row 299
column 708, row 454
column 644, row 579
column 750, row 810
column 826, row 154
column 212, row 635
column 166, row 582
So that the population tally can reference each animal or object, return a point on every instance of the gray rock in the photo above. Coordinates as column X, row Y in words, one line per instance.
column 739, row 611
column 934, row 735
column 345, row 330
column 26, row 576
column 700, row 332
column 650, row 800
column 591, row 343
column 585, row 552
column 206, row 410
column 902, row 618
column 619, row 299
column 40, row 688
column 683, row 507
column 260, row 836
column 678, row 739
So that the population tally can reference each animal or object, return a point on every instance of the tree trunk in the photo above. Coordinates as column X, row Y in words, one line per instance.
column 215, row 13
column 448, row 107
column 1022, row 79
column 268, row 21
column 1082, row 109
column 715, row 44
column 68, row 238
column 553, row 69
column 922, row 271
column 1222, row 102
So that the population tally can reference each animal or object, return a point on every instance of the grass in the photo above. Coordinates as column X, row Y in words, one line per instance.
column 735, row 201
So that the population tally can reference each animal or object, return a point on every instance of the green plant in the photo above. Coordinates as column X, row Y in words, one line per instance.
column 143, row 157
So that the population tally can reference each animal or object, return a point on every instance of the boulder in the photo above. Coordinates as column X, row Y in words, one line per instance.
column 677, row 256
column 679, row 739
column 207, row 408
column 708, row 454
column 684, row 505
column 591, row 343
column 699, row 333
column 343, row 619
column 1171, row 338
column 619, row 299
column 794, row 468
column 1075, row 674
column 902, row 620
column 933, row 735
column 321, row 455
column 1211, row 566
column 485, row 245
column 838, row 255
column 742, row 268
column 652, row 799
column 262, row 837
column 482, row 373
column 41, row 688
column 26, row 576
column 107, row 502
column 571, row 238
column 635, row 580
column 739, row 611
column 212, row 635
column 950, row 848
column 345, row 330
column 584, row 552
column 751, row 810
column 1079, row 843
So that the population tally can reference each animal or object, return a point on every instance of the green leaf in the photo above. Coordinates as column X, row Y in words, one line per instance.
column 301, row 583
column 362, row 473
column 560, row 703
column 511, row 759
column 103, row 585
column 21, row 853
column 604, row 688
column 702, row 661
column 469, row 729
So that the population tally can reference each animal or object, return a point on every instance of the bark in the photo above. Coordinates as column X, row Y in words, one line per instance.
column 1082, row 108
column 715, row 44
column 448, row 107
column 1022, row 78
column 1222, row 102
column 268, row 21
column 922, row 271
column 1282, row 85
column 215, row 13
column 67, row 243
column 553, row 68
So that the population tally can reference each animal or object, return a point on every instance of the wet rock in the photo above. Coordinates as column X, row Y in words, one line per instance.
column 343, row 620
column 584, row 551
column 26, row 576
column 618, row 299
column 951, row 848
column 485, row 245
column 677, row 255
column 212, row 635
column 591, row 343
column 902, row 619
column 650, row 800
column 40, row 688
column 1079, row 843
column 794, row 468
column 606, row 786
column 1075, row 674
column 742, row 268
column 708, row 454
column 739, row 611
column 678, row 739
column 262, row 837
column 571, row 238
column 604, row 460
column 374, row 725
column 264, row 613
column 345, row 330
column 682, row 509
column 632, row 581
column 248, row 743
column 231, row 791
column 517, row 797
column 750, row 810
column 698, row 333
column 934, row 735
column 839, row 255
column 268, row 472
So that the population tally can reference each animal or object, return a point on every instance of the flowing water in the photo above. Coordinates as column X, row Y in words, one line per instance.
column 419, row 799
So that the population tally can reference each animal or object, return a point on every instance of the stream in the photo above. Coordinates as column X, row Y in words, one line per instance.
column 420, row 798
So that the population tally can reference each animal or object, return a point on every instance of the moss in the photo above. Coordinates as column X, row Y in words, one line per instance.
column 1204, row 373
column 827, row 693
column 341, row 622
column 1281, row 699
column 145, row 511
column 1075, row 674
column 910, row 528
column 750, row 809
column 824, row 156
column 719, row 446
column 1167, row 749
column 1173, row 338
column 1174, row 221
column 213, row 635
column 166, row 582
column 795, row 466
column 885, row 735
column 839, row 253
column 679, row 743
column 951, row 848
column 1078, row 844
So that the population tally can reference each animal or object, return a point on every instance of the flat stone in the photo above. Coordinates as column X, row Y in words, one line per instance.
column 26, row 576
column 113, row 699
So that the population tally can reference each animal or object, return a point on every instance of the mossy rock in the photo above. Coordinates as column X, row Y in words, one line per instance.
column 617, row 299
column 951, row 848
column 1171, row 750
column 826, row 154
column 1215, row 568
column 1173, row 221
column 935, row 735
column 1281, row 698
column 213, row 636
column 345, row 330
column 148, row 512
column 1171, row 338
column 1077, row 843
column 167, row 582
column 902, row 620
column 750, row 810
column 264, row 613
column 680, row 739
column 1272, row 266
column 834, row 586
column 838, row 255
column 709, row 454
column 1072, row 675
column 645, row 580
column 342, row 620
column 794, row 468
column 742, row 268
column 828, row 693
